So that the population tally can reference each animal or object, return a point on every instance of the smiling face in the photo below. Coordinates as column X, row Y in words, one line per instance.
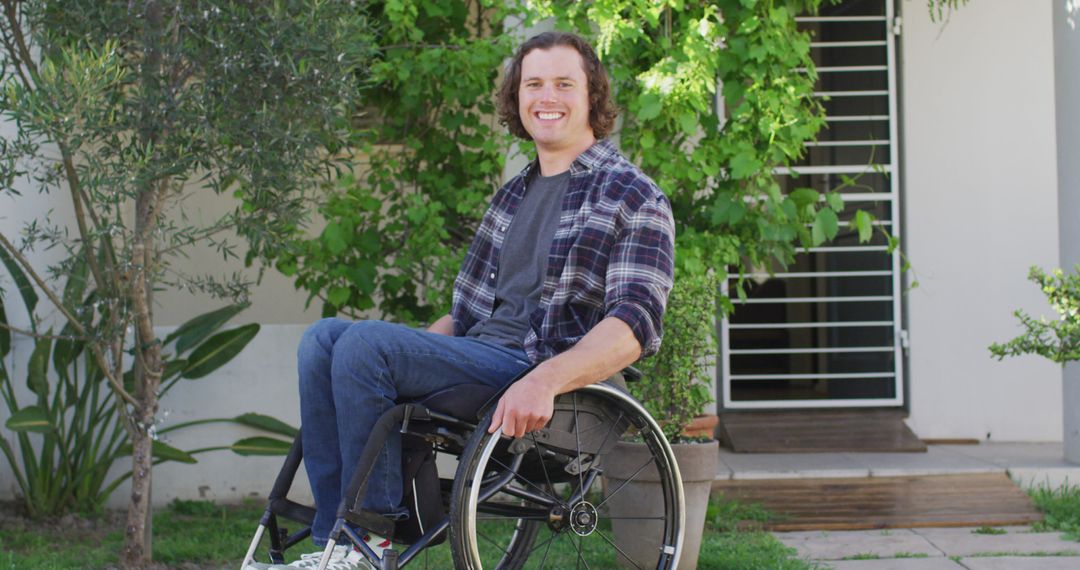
column 553, row 100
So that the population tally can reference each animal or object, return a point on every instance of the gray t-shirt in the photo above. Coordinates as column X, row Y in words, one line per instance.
column 523, row 262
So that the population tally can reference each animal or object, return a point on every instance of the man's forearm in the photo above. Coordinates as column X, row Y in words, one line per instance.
column 445, row 326
column 527, row 404
column 608, row 348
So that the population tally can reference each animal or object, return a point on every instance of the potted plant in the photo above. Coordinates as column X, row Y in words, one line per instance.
column 1057, row 340
column 674, row 389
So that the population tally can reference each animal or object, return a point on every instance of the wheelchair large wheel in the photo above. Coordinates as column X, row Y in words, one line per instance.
column 539, row 502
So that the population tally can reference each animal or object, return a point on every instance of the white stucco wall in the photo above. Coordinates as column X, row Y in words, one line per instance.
column 980, row 196
column 261, row 379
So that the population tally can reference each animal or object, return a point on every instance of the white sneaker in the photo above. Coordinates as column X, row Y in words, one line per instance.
column 342, row 558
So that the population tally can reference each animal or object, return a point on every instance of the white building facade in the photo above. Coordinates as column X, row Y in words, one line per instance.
column 983, row 111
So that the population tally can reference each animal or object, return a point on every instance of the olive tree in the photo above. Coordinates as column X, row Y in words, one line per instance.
column 128, row 109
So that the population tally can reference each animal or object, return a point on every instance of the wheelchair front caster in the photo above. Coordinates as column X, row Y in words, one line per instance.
column 389, row 560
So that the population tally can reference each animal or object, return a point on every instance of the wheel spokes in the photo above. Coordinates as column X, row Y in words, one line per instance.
column 616, row 546
column 624, row 483
column 537, row 496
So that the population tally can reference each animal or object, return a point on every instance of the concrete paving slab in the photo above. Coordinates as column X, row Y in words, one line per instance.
column 936, row 461
column 818, row 545
column 896, row 564
column 964, row 542
column 1013, row 454
column 1022, row 563
column 723, row 471
column 791, row 465
column 1052, row 477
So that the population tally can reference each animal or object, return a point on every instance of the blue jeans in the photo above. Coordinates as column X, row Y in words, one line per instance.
column 350, row 374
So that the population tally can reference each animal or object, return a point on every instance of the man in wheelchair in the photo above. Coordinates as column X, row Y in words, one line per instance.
column 563, row 286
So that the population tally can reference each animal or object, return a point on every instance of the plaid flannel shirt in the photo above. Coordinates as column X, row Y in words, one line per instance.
column 612, row 256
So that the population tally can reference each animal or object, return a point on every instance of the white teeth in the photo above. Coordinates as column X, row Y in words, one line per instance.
column 549, row 116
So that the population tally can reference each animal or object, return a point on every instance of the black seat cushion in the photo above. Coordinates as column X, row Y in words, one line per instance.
column 460, row 401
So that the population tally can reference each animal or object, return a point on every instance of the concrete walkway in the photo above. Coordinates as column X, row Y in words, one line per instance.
column 1028, row 464
column 1009, row 548
column 936, row 549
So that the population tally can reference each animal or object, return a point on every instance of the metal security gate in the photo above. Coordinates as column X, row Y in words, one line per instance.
column 826, row 332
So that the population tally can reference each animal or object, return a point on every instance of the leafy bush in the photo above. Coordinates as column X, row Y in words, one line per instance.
column 396, row 231
column 675, row 386
column 1057, row 340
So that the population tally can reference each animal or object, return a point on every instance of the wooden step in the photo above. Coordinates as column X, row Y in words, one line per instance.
column 817, row 431
column 989, row 499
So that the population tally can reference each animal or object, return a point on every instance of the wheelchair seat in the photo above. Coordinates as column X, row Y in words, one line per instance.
column 468, row 402
column 461, row 401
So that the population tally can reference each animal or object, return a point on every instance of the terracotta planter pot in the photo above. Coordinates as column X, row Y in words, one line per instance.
column 643, row 497
column 702, row 426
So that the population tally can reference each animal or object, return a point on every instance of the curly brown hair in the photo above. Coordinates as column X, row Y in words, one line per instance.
column 602, row 111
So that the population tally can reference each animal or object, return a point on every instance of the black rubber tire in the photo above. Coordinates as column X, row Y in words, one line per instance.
column 603, row 401
column 521, row 546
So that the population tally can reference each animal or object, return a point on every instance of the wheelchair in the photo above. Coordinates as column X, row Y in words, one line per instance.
column 541, row 501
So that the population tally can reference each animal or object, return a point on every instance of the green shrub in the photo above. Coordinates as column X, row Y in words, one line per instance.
column 1057, row 340
column 676, row 386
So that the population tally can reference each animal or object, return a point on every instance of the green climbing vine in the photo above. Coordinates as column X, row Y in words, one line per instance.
column 715, row 96
column 713, row 151
column 398, row 226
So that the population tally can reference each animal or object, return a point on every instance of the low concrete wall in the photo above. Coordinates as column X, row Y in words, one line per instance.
column 261, row 379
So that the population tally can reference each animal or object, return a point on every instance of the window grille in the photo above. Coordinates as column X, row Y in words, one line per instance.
column 826, row 332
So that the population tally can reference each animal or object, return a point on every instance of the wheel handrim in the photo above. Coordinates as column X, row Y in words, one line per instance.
column 588, row 518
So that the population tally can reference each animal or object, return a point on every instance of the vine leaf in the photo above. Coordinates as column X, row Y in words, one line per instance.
column 826, row 225
column 863, row 222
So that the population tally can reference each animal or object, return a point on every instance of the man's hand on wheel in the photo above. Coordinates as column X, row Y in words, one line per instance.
column 525, row 407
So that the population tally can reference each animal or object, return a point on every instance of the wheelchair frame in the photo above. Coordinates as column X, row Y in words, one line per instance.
column 447, row 433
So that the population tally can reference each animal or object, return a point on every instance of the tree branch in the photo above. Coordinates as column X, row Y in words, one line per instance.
column 14, row 55
column 59, row 304
column 75, row 188
column 20, row 40
column 33, row 334
column 198, row 236
column 20, row 52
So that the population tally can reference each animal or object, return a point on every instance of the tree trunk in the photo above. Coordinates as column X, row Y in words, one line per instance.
column 147, row 365
column 147, row 368
column 137, row 539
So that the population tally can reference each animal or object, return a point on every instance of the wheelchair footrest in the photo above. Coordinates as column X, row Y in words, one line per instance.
column 372, row 522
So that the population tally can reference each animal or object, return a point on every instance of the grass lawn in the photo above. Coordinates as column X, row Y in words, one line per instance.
column 200, row 534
